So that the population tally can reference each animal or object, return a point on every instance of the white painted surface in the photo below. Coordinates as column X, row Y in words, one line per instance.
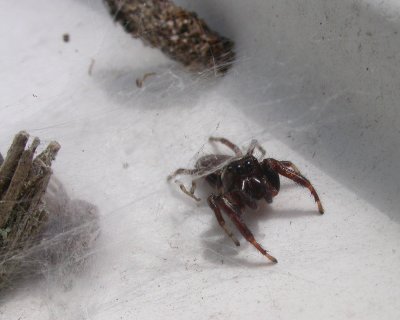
column 300, row 85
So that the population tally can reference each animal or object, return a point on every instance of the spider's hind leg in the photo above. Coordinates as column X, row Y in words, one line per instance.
column 190, row 193
column 255, row 144
column 227, row 143
column 183, row 171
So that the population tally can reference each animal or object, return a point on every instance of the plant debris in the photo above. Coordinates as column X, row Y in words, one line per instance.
column 66, row 37
column 180, row 34
column 140, row 81
column 30, row 217
column 90, row 69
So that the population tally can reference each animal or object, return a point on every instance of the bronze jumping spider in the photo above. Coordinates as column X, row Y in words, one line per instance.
column 241, row 181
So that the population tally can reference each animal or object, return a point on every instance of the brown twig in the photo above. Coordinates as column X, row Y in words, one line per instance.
column 11, row 160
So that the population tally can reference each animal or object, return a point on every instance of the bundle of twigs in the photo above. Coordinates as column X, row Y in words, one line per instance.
column 41, row 228
column 23, row 182
column 180, row 34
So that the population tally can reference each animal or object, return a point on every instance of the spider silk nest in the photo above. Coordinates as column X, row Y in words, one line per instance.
column 57, row 245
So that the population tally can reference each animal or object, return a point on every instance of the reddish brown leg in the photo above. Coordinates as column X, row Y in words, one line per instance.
column 283, row 170
column 234, row 215
column 229, row 144
column 290, row 164
column 213, row 205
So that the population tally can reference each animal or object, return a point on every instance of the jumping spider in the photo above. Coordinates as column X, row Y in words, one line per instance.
column 241, row 181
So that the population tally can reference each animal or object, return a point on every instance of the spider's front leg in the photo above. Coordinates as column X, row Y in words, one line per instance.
column 235, row 215
column 291, row 165
column 281, row 167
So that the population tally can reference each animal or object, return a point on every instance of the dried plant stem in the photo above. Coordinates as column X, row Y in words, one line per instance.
column 23, row 182
column 10, row 196
column 12, row 158
column 180, row 34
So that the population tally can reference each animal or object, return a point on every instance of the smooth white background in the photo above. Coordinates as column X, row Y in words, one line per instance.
column 316, row 82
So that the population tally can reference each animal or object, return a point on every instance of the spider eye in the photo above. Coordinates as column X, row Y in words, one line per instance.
column 249, row 164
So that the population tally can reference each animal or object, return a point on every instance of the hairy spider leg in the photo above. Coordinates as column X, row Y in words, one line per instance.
column 227, row 143
column 235, row 215
column 214, row 206
column 291, row 165
column 182, row 171
column 190, row 193
column 255, row 144
column 296, row 177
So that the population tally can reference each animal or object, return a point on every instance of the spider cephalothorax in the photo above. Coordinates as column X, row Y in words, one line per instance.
column 251, row 179
column 242, row 180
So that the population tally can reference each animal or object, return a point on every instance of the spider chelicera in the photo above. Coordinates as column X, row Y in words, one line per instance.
column 239, row 181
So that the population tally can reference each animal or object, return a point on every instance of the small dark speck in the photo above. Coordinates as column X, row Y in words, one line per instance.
column 83, row 150
column 369, row 33
column 66, row 37
column 125, row 165
column 290, row 222
column 320, row 23
column 367, row 68
column 314, row 154
column 34, row 95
